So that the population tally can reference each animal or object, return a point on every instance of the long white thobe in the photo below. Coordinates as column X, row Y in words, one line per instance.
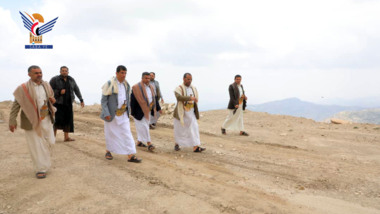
column 154, row 119
column 142, row 126
column 188, row 134
column 118, row 133
column 235, row 121
column 40, row 146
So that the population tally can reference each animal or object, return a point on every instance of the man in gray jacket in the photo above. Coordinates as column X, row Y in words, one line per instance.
column 64, row 87
column 115, row 113
column 157, row 91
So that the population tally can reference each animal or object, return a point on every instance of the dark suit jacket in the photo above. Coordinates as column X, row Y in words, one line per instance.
column 234, row 96
column 136, row 110
column 57, row 84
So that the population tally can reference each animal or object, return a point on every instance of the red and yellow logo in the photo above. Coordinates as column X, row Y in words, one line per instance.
column 33, row 23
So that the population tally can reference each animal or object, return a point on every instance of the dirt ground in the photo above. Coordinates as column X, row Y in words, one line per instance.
column 286, row 165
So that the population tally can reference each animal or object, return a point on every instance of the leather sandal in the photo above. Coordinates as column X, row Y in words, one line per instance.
column 41, row 175
column 151, row 147
column 134, row 159
column 244, row 134
column 108, row 156
column 199, row 149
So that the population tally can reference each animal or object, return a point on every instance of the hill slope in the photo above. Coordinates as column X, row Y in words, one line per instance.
column 286, row 165
column 363, row 116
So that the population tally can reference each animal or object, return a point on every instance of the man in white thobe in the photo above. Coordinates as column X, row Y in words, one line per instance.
column 236, row 107
column 186, row 131
column 115, row 113
column 144, row 105
column 157, row 91
column 35, row 98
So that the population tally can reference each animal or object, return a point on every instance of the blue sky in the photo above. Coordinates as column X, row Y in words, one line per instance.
column 319, row 51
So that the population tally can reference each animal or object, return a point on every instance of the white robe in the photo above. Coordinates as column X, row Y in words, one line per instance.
column 188, row 134
column 153, row 120
column 119, row 139
column 142, row 126
column 234, row 122
column 40, row 147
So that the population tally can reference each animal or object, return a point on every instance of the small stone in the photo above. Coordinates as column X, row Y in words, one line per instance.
column 153, row 182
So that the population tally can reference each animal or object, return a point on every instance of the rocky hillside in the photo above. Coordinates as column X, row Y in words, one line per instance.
column 363, row 116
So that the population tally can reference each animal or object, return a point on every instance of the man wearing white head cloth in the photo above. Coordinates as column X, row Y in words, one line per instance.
column 186, row 131
column 115, row 113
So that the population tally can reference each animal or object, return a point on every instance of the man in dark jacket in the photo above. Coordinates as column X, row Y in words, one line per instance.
column 236, row 106
column 64, row 87
column 144, row 105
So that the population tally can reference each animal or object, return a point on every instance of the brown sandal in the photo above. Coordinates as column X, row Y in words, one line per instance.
column 141, row 144
column 223, row 131
column 108, row 156
column 199, row 149
column 41, row 175
column 244, row 134
column 151, row 147
column 69, row 139
column 134, row 159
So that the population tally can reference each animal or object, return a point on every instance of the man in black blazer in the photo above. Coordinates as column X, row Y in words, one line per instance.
column 236, row 106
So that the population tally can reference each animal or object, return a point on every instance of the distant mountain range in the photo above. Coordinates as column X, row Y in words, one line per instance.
column 298, row 108
column 367, row 102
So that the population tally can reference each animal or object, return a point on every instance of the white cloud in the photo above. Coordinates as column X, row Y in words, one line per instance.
column 304, row 49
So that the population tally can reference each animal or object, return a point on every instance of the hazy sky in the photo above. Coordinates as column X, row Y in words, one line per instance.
column 314, row 50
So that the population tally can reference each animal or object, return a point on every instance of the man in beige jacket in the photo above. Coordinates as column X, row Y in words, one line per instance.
column 186, row 131
column 35, row 98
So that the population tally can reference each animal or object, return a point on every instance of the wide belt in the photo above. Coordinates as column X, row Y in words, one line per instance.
column 120, row 111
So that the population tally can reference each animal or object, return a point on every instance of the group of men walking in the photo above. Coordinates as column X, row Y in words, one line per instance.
column 47, row 107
